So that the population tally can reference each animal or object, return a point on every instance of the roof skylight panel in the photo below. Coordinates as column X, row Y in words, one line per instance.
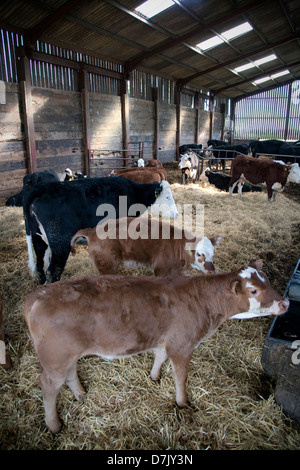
column 228, row 35
column 255, row 63
column 266, row 59
column 237, row 31
column 280, row 74
column 271, row 77
column 153, row 7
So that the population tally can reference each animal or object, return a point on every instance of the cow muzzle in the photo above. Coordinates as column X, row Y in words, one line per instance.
column 282, row 306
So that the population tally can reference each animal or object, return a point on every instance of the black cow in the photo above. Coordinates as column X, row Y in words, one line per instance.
column 29, row 181
column 275, row 147
column 293, row 150
column 54, row 212
column 263, row 147
column 221, row 181
column 186, row 147
column 216, row 143
column 229, row 151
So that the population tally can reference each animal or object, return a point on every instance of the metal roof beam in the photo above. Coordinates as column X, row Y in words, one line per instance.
column 37, row 31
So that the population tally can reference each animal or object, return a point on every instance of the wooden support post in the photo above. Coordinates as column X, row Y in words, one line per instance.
column 287, row 117
column 156, row 123
column 125, row 118
column 25, row 83
column 85, row 100
column 178, row 120
column 232, row 122
column 197, row 118
column 223, row 109
column 211, row 117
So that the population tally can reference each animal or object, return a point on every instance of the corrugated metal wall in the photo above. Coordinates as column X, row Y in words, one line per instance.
column 272, row 114
column 64, row 78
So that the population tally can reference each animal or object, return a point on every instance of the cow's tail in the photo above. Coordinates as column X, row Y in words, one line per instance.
column 28, row 198
column 80, row 238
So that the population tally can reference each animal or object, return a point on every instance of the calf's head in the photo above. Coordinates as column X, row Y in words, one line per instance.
column 185, row 162
column 204, row 254
column 294, row 173
column 253, row 291
column 165, row 204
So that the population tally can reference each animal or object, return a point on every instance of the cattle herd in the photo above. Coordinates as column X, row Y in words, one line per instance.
column 116, row 316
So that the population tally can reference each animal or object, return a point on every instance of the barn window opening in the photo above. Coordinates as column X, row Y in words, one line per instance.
column 151, row 8
column 228, row 35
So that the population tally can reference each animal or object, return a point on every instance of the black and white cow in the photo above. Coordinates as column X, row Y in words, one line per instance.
column 29, row 181
column 221, row 181
column 54, row 212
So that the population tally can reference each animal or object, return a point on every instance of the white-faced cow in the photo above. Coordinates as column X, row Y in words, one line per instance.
column 54, row 212
column 189, row 165
column 256, row 171
column 119, row 316
column 163, row 247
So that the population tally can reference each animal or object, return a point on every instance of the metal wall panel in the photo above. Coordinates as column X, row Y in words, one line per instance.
column 269, row 115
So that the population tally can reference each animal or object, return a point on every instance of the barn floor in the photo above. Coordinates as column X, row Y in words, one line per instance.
column 231, row 402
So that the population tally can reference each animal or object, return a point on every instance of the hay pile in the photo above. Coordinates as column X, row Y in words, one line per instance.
column 232, row 403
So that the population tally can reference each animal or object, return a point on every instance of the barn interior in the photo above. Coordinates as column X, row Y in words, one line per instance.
column 93, row 86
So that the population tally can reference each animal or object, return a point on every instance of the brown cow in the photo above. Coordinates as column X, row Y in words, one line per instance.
column 5, row 361
column 163, row 247
column 119, row 316
column 256, row 171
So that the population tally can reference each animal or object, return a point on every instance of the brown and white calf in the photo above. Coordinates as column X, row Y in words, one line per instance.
column 163, row 247
column 119, row 316
column 154, row 162
column 142, row 175
column 256, row 171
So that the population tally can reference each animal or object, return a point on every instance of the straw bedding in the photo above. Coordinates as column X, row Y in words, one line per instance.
column 231, row 402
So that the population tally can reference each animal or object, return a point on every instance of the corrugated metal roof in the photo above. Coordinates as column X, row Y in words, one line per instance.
column 165, row 44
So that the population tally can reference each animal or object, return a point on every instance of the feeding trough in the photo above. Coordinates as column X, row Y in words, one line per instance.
column 281, row 353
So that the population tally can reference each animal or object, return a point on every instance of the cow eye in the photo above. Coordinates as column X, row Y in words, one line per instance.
column 253, row 291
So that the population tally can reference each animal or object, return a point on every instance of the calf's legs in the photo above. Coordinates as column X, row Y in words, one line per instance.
column 180, row 366
column 51, row 384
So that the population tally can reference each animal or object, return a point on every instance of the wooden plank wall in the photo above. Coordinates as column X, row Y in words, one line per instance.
column 105, row 122
column 141, row 124
column 13, row 165
column 59, row 130
column 58, row 127
column 167, row 132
